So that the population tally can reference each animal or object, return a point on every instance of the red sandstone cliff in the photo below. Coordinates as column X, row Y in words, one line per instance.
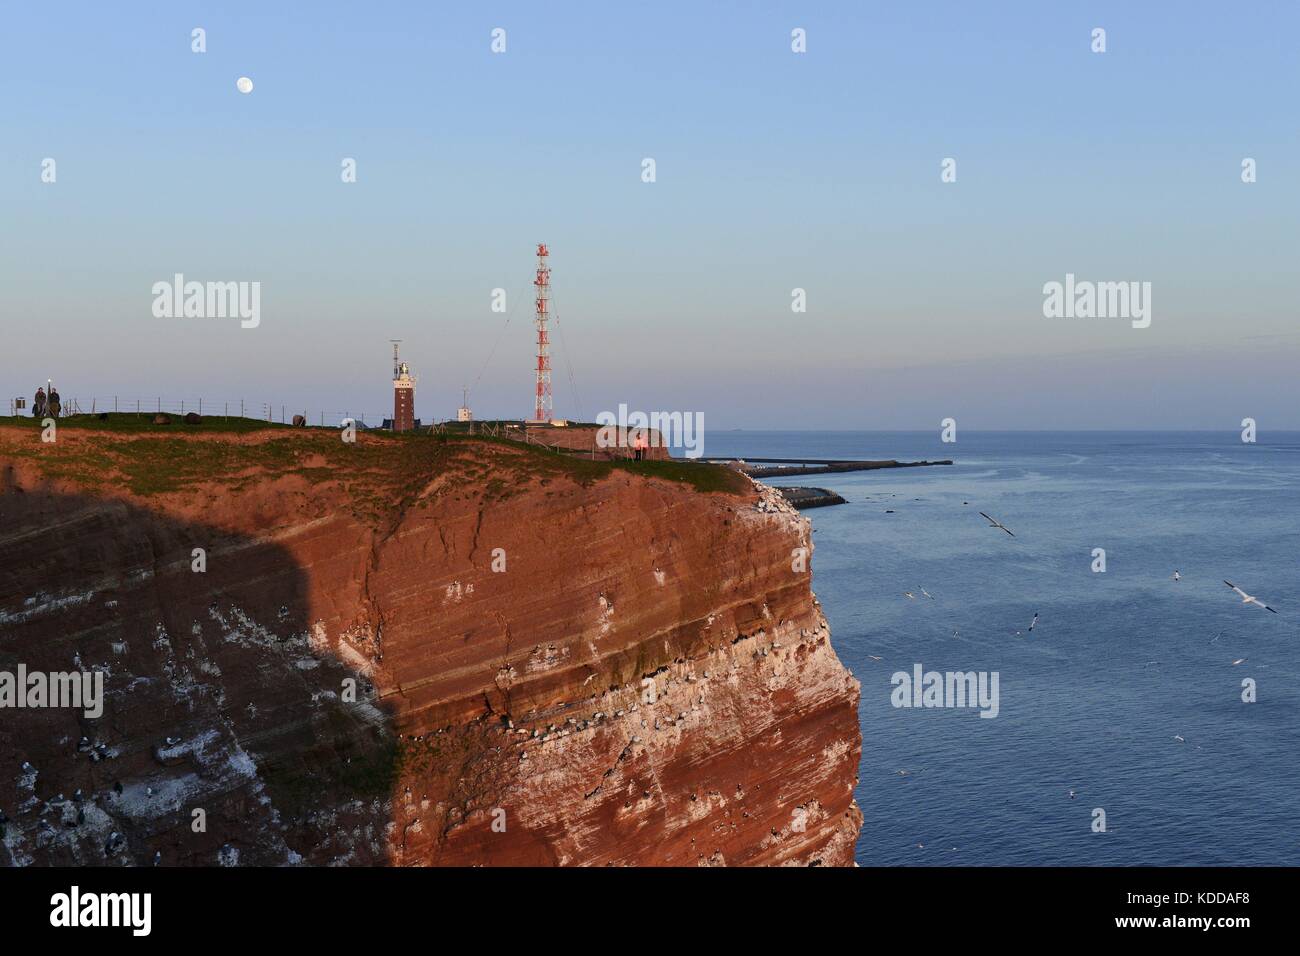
column 556, row 662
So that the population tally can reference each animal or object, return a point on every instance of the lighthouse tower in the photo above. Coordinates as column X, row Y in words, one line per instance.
column 403, row 393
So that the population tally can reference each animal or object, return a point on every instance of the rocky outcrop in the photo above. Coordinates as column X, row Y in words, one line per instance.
column 412, row 651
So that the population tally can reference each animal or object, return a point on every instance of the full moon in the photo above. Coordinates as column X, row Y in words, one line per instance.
column 244, row 84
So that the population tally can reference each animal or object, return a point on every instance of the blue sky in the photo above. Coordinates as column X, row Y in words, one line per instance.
column 774, row 171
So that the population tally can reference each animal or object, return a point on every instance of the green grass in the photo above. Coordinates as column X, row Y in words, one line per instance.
column 541, row 462
column 382, row 473
column 699, row 475
column 301, row 781
column 131, row 423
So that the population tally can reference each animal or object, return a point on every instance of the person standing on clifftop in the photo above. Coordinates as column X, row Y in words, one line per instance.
column 38, row 404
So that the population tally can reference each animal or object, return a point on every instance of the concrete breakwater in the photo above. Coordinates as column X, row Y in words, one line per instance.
column 803, row 498
column 777, row 467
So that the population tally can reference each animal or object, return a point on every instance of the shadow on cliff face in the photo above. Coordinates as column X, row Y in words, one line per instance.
column 227, row 734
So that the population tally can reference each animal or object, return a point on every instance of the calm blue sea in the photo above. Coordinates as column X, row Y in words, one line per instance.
column 1119, row 664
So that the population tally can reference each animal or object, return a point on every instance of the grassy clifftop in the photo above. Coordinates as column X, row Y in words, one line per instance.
column 132, row 452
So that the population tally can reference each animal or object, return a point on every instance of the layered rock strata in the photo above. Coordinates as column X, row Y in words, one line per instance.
column 412, row 651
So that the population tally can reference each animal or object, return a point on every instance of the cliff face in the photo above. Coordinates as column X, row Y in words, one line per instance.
column 553, row 662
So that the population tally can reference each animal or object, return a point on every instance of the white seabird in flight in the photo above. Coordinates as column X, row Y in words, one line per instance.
column 994, row 523
column 1247, row 598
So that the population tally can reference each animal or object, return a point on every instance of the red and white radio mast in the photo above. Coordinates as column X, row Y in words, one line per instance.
column 543, row 410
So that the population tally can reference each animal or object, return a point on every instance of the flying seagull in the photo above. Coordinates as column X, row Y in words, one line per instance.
column 994, row 523
column 910, row 594
column 1247, row 598
column 927, row 594
column 1177, row 576
column 1179, row 738
column 1034, row 621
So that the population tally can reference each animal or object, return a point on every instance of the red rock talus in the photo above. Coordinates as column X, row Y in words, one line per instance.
column 553, row 664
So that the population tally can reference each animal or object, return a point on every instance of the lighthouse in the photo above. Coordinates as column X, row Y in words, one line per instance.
column 403, row 393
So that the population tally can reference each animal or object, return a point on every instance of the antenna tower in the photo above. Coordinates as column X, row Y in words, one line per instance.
column 543, row 409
